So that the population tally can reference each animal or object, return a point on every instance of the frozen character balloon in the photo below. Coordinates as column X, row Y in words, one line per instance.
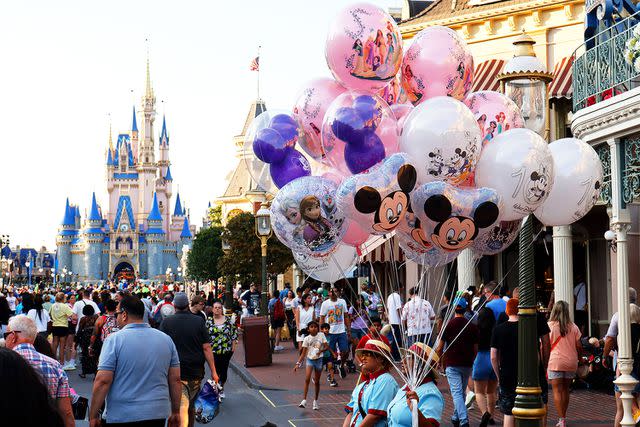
column 452, row 217
column 442, row 139
column 577, row 182
column 359, row 131
column 306, row 217
column 364, row 47
column 309, row 111
column 438, row 63
column 519, row 166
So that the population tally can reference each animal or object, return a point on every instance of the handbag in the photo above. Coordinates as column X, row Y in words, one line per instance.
column 207, row 403
column 80, row 407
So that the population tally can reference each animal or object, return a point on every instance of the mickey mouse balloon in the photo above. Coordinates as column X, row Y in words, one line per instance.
column 519, row 165
column 379, row 200
column 577, row 185
column 452, row 217
column 306, row 218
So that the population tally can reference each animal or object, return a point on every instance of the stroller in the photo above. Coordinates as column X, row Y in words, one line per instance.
column 592, row 375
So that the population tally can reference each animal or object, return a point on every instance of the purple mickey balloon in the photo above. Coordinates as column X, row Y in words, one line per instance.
column 360, row 157
column 368, row 110
column 286, row 126
column 269, row 146
column 293, row 165
column 348, row 125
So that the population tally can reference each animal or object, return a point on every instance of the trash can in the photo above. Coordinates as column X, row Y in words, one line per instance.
column 255, row 338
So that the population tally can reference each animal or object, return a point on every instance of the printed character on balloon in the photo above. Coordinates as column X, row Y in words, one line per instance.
column 537, row 186
column 318, row 230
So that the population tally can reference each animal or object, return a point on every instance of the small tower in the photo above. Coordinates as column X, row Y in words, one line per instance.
column 94, row 237
column 110, row 162
column 146, row 166
column 155, row 237
column 134, row 133
column 66, row 234
column 164, row 163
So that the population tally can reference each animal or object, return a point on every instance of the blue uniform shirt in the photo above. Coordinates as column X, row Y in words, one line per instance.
column 373, row 396
column 430, row 403
column 140, row 358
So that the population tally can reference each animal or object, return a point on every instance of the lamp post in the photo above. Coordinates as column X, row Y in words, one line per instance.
column 28, row 265
column 228, row 286
column 263, row 231
column 524, row 79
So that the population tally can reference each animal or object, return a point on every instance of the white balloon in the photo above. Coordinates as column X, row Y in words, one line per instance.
column 442, row 138
column 577, row 184
column 329, row 268
column 518, row 164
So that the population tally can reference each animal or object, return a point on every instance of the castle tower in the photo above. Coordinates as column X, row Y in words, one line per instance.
column 134, row 134
column 94, row 237
column 147, row 168
column 110, row 162
column 155, row 241
column 164, row 188
column 67, row 232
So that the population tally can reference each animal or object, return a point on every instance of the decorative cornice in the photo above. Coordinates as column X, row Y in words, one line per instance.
column 621, row 111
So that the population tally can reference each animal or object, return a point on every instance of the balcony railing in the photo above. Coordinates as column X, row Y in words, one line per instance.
column 599, row 68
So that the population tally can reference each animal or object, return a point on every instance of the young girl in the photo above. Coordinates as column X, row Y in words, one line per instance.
column 313, row 346
column 317, row 228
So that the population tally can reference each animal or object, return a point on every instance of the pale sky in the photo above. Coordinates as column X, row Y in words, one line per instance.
column 68, row 65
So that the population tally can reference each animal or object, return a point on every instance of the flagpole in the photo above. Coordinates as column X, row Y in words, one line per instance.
column 259, row 71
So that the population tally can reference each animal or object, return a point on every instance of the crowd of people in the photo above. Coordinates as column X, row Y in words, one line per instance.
column 470, row 339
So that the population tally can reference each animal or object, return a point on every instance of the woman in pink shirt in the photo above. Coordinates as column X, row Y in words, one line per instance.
column 563, row 360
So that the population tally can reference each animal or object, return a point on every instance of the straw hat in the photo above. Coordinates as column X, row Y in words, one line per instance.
column 375, row 346
column 423, row 352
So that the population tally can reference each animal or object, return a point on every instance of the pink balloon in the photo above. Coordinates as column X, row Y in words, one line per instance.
column 355, row 235
column 383, row 124
column 393, row 93
column 438, row 63
column 309, row 110
column 364, row 47
column 494, row 112
column 401, row 111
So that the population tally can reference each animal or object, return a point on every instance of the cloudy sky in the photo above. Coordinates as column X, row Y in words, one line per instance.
column 72, row 67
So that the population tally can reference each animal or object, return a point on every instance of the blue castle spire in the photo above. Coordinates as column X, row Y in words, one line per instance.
column 168, row 176
column 109, row 157
column 134, row 125
column 155, row 215
column 163, row 133
column 186, row 232
column 94, row 214
column 178, row 210
column 69, row 215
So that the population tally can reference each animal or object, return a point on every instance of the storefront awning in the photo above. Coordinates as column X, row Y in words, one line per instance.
column 561, row 86
column 485, row 75
column 381, row 249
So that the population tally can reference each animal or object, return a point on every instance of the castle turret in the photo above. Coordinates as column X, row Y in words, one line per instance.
column 67, row 232
column 111, row 162
column 155, row 237
column 147, row 167
column 94, row 237
column 134, row 133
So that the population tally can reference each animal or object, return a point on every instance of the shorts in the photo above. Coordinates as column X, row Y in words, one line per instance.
column 356, row 334
column 482, row 369
column 556, row 375
column 60, row 331
column 316, row 364
column 327, row 359
column 506, row 400
column 341, row 341
column 277, row 323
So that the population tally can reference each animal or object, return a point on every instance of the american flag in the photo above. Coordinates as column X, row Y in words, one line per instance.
column 255, row 64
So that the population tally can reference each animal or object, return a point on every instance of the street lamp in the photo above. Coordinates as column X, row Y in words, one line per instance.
column 28, row 265
column 228, row 292
column 263, row 231
column 524, row 79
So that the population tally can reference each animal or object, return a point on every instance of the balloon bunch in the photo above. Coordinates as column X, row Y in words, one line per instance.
column 399, row 146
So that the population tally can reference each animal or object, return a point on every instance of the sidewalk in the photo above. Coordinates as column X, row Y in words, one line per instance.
column 283, row 387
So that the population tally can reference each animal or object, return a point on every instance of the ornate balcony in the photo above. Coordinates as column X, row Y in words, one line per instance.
column 599, row 67
column 604, row 152
column 631, row 169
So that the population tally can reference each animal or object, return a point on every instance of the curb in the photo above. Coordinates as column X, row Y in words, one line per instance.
column 249, row 379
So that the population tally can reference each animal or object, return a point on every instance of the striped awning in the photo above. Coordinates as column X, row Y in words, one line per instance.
column 381, row 249
column 561, row 86
column 484, row 77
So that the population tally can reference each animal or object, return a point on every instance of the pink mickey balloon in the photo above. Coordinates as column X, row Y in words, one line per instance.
column 438, row 63
column 364, row 48
column 494, row 112
column 309, row 110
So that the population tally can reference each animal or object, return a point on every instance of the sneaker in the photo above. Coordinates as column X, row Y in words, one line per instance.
column 560, row 423
column 333, row 383
column 278, row 348
column 303, row 404
column 485, row 419
column 315, row 405
column 471, row 397
column 343, row 372
column 68, row 367
column 328, row 378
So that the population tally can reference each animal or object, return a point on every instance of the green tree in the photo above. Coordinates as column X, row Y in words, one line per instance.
column 244, row 257
column 202, row 261
column 214, row 215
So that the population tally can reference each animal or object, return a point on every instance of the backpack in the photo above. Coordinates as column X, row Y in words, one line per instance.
column 278, row 310
column 110, row 326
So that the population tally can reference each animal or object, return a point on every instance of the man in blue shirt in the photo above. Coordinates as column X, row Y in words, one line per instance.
column 495, row 303
column 137, row 387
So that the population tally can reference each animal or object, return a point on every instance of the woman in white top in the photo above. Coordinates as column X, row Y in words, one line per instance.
column 39, row 315
column 289, row 311
column 305, row 313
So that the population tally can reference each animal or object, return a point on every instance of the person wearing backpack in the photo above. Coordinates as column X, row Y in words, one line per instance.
column 278, row 317
column 105, row 326
column 164, row 309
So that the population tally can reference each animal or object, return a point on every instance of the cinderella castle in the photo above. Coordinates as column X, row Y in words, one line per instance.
column 138, row 235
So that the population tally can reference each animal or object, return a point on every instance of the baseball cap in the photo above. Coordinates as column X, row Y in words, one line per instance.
column 180, row 300
column 460, row 302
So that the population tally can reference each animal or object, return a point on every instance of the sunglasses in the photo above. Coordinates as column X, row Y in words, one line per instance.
column 6, row 334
